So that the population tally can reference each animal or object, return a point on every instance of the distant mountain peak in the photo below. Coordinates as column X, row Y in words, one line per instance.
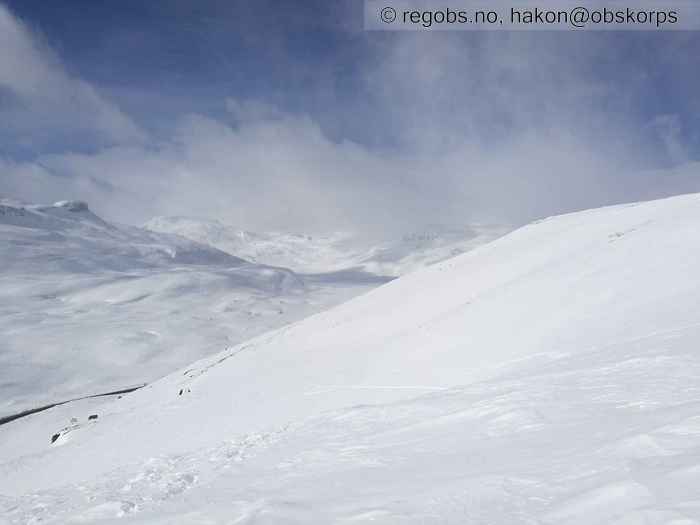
column 74, row 206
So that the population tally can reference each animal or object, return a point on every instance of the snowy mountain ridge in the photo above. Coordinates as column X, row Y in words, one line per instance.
column 337, row 251
column 72, row 224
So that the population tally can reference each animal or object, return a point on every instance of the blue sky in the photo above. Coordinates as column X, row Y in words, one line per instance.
column 275, row 115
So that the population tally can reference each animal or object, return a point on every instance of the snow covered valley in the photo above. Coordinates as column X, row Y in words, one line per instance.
column 338, row 251
column 87, row 307
column 549, row 376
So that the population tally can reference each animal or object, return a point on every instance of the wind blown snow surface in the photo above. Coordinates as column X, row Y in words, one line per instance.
column 549, row 377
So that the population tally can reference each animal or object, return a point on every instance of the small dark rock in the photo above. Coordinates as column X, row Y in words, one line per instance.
column 55, row 437
column 92, row 417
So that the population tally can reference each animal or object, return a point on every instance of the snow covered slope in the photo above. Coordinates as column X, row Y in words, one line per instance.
column 87, row 306
column 547, row 377
column 339, row 251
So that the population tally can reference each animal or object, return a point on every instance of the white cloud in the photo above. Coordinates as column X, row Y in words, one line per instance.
column 44, row 98
column 285, row 173
column 263, row 175
column 247, row 111
column 503, row 127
